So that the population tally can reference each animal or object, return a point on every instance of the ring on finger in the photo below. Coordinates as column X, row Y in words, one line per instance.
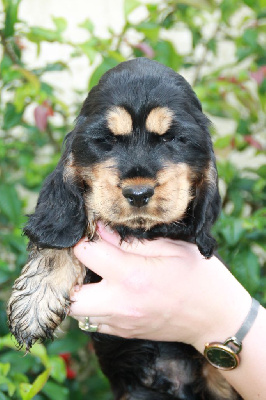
column 87, row 326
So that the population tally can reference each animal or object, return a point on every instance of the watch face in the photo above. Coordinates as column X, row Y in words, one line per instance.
column 221, row 356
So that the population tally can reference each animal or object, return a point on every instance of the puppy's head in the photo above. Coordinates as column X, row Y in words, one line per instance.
column 141, row 159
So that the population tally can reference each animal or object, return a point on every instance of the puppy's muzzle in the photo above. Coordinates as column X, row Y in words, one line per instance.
column 138, row 195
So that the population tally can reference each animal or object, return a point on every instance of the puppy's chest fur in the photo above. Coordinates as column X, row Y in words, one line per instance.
column 140, row 160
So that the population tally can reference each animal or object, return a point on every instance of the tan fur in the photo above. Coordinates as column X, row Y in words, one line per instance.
column 177, row 373
column 168, row 204
column 159, row 120
column 69, row 169
column 41, row 295
column 211, row 175
column 217, row 384
column 119, row 121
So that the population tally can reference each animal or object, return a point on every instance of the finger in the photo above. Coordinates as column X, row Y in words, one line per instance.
column 101, row 328
column 155, row 248
column 92, row 320
column 91, row 300
column 101, row 257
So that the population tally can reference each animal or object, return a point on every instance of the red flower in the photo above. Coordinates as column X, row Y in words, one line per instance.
column 66, row 357
column 71, row 374
column 41, row 114
column 146, row 49
column 253, row 142
column 259, row 75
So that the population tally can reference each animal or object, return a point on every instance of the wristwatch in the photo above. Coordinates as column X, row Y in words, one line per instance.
column 225, row 355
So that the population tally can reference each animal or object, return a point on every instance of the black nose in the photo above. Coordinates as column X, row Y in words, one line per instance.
column 138, row 195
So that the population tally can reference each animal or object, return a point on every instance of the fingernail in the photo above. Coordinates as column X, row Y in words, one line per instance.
column 102, row 227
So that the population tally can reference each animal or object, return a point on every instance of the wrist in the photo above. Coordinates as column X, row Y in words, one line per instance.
column 225, row 355
column 225, row 321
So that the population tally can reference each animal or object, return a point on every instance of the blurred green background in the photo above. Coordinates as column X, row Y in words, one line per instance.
column 35, row 119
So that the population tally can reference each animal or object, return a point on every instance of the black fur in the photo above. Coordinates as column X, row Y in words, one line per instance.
column 61, row 218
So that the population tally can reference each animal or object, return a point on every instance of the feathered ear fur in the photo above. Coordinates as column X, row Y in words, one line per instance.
column 206, row 210
column 59, row 220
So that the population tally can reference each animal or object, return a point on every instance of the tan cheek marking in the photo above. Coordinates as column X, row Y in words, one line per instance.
column 119, row 121
column 103, row 180
column 174, row 190
column 159, row 120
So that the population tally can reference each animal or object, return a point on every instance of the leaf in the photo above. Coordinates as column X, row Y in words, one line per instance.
column 28, row 391
column 19, row 364
column 67, row 344
column 149, row 29
column 10, row 386
column 89, row 49
column 261, row 171
column 55, row 392
column 232, row 231
column 129, row 6
column 3, row 397
column 199, row 4
column 37, row 35
column 57, row 66
column 4, row 368
column 250, row 37
column 11, row 117
column 58, row 368
column 246, row 268
column 106, row 64
column 8, row 73
column 24, row 389
column 39, row 350
column 10, row 204
column 88, row 25
column 60, row 24
column 166, row 54
column 31, row 78
column 11, row 12
column 223, row 142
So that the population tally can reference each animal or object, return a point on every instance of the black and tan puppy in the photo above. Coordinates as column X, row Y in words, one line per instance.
column 139, row 159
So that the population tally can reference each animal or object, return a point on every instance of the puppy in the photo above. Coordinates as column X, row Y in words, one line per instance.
column 140, row 160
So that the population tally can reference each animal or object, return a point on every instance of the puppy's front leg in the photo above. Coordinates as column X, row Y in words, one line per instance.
column 40, row 298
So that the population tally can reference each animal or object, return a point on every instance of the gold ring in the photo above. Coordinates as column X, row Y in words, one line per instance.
column 87, row 326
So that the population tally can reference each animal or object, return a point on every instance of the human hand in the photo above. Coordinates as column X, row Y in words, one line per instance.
column 158, row 290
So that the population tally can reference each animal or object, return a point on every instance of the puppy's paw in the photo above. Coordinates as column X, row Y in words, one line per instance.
column 40, row 298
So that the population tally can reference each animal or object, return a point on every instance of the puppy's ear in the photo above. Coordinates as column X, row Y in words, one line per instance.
column 206, row 208
column 59, row 220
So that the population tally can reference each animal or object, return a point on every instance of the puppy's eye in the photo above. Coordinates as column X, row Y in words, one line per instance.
column 168, row 138
column 172, row 137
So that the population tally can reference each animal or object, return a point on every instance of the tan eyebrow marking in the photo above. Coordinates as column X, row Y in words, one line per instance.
column 119, row 121
column 159, row 120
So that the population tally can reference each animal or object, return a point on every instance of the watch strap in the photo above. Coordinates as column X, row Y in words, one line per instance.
column 215, row 351
column 248, row 322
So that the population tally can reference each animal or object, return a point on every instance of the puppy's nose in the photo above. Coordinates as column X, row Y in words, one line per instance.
column 138, row 195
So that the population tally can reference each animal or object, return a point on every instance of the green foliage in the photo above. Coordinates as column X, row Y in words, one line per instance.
column 13, row 379
column 31, row 139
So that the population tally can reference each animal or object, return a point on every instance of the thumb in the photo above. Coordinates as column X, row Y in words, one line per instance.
column 103, row 258
column 148, row 248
